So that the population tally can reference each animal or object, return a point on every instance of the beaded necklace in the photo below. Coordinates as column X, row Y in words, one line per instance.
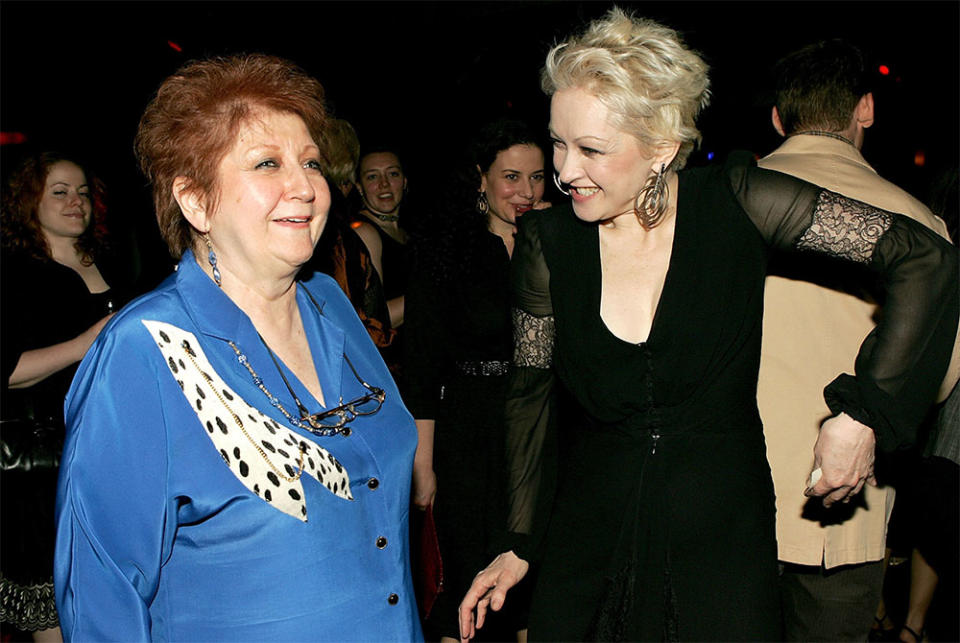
column 386, row 218
column 322, row 431
column 312, row 422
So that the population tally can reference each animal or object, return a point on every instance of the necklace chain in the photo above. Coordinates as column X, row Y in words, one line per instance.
column 263, row 454
column 386, row 218
column 321, row 431
column 276, row 402
column 816, row 132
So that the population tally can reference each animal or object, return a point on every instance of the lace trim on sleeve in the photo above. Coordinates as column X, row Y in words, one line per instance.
column 845, row 228
column 532, row 339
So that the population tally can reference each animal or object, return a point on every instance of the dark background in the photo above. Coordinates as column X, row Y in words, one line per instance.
column 424, row 75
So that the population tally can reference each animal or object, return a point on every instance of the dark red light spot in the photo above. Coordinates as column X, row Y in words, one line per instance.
column 884, row 70
column 175, row 46
column 12, row 138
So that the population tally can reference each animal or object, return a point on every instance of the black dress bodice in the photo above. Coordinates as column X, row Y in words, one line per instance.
column 661, row 525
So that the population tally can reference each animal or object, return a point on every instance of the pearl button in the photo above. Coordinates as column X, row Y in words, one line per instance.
column 381, row 542
column 393, row 599
column 373, row 483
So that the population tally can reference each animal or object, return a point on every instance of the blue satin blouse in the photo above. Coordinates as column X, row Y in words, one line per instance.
column 176, row 523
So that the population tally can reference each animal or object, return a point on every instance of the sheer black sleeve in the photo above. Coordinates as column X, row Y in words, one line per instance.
column 902, row 361
column 529, row 392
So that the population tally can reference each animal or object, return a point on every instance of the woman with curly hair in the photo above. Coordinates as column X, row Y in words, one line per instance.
column 57, row 295
column 458, row 349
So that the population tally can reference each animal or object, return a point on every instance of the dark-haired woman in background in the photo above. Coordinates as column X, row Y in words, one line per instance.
column 58, row 291
column 458, row 348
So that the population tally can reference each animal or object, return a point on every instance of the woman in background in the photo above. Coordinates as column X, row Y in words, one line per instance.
column 59, row 288
column 341, row 251
column 458, row 348
column 383, row 186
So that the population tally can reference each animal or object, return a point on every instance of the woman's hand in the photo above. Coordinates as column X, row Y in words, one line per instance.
column 844, row 454
column 40, row 363
column 489, row 588
column 541, row 205
column 424, row 486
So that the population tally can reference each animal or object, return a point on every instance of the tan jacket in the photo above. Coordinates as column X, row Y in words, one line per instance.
column 812, row 334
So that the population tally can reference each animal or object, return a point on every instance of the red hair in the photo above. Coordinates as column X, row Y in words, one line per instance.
column 20, row 225
column 194, row 119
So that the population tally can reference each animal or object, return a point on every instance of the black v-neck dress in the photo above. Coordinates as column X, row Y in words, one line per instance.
column 662, row 523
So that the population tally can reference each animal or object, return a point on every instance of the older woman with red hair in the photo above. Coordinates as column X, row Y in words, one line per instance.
column 238, row 460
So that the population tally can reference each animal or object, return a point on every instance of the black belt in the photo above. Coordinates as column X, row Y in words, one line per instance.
column 490, row 368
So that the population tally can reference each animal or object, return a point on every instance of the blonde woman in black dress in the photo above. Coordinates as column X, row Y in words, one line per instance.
column 645, row 298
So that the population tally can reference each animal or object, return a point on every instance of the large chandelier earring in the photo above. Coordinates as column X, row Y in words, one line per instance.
column 483, row 206
column 556, row 182
column 650, row 203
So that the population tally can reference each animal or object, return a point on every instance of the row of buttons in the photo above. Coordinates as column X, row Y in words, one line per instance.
column 372, row 484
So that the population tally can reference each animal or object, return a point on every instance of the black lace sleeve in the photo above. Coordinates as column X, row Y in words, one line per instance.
column 529, row 393
column 902, row 361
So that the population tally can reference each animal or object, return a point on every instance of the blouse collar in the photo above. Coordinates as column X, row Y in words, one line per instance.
column 215, row 315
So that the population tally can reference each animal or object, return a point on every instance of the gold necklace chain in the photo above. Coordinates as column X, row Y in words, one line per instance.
column 263, row 454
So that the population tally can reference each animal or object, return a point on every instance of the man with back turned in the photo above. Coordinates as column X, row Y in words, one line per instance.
column 831, row 558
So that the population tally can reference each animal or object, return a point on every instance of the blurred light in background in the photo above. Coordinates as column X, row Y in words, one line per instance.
column 12, row 138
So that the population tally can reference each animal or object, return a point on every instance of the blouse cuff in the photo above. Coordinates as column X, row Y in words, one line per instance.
column 523, row 545
column 867, row 404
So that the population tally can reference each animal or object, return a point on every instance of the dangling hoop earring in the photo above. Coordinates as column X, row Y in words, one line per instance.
column 483, row 206
column 212, row 258
column 556, row 182
column 650, row 203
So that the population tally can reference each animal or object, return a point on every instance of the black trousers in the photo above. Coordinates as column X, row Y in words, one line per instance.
column 835, row 604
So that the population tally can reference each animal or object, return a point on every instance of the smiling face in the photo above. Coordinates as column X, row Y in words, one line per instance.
column 65, row 207
column 513, row 183
column 604, row 166
column 273, row 199
column 382, row 182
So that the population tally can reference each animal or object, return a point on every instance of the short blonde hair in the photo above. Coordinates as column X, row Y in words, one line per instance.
column 653, row 85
